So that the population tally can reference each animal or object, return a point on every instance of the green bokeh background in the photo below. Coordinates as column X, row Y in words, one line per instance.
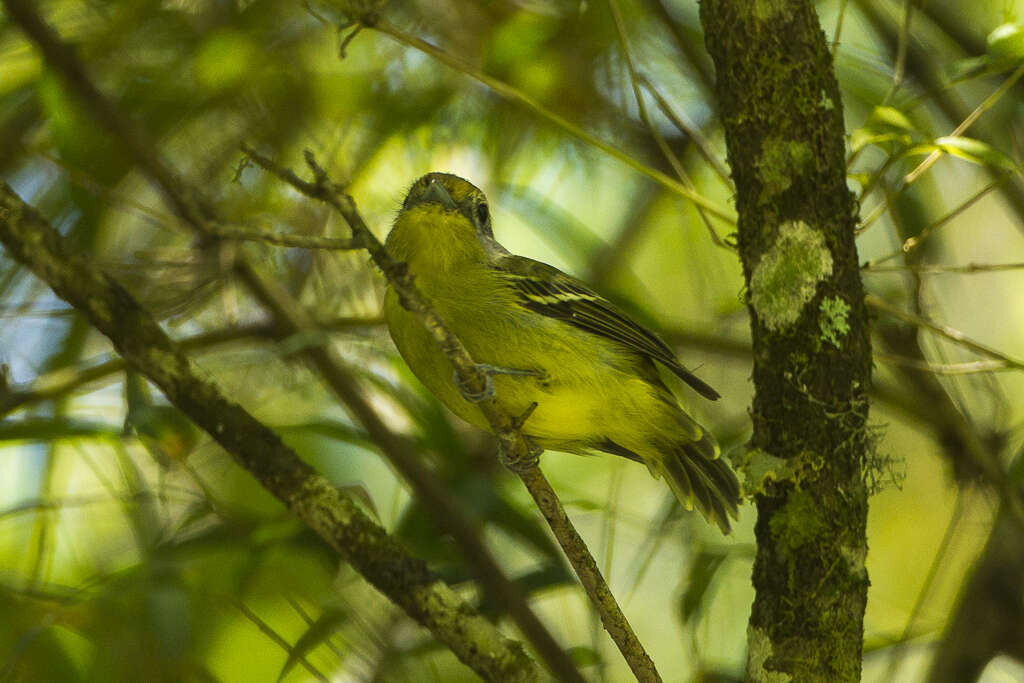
column 132, row 548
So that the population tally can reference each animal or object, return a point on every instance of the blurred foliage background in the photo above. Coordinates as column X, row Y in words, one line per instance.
column 132, row 548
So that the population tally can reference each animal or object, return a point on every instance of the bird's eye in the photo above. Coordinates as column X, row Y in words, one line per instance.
column 483, row 213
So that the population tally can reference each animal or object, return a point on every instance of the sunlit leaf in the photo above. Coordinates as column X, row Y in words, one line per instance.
column 968, row 149
column 318, row 633
column 1006, row 41
column 890, row 116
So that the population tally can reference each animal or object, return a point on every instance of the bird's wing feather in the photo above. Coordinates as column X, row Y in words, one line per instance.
column 548, row 291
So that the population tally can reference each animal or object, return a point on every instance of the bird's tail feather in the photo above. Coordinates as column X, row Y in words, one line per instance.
column 696, row 474
column 703, row 483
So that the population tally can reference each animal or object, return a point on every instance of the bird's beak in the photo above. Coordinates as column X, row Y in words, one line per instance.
column 438, row 193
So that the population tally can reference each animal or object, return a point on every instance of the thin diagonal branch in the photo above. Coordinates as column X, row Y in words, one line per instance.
column 511, row 443
column 666, row 151
column 335, row 517
column 915, row 241
column 279, row 640
column 508, row 92
column 289, row 316
column 691, row 131
column 60, row 383
column 946, row 331
column 283, row 239
column 962, row 127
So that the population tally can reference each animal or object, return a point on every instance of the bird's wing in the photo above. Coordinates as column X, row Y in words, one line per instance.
column 548, row 291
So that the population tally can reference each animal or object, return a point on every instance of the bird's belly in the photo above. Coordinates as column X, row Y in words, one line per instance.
column 570, row 412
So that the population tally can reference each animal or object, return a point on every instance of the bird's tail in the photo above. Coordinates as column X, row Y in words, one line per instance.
column 701, row 479
column 698, row 477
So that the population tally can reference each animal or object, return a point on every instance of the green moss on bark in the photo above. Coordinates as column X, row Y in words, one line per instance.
column 787, row 275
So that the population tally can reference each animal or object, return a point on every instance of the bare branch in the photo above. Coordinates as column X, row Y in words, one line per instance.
column 666, row 151
column 946, row 331
column 289, row 315
column 510, row 93
column 923, row 268
column 515, row 450
column 282, row 239
column 966, row 123
column 335, row 517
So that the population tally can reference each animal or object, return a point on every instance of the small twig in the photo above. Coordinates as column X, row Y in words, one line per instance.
column 694, row 133
column 872, row 181
column 510, row 93
column 688, row 41
column 515, row 449
column 284, row 239
column 278, row 639
column 839, row 28
column 950, row 333
column 969, row 368
column 518, row 422
column 60, row 504
column 966, row 123
column 900, row 67
column 970, row 268
column 659, row 139
column 914, row 242
column 348, row 39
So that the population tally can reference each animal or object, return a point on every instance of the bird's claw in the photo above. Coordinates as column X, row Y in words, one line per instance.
column 489, row 371
column 475, row 396
column 526, row 462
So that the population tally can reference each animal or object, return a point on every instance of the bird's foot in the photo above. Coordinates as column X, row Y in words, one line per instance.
column 525, row 462
column 489, row 371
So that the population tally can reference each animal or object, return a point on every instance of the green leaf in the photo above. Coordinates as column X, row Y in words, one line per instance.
column 969, row 67
column 1006, row 41
column 701, row 575
column 862, row 137
column 885, row 124
column 317, row 634
column 889, row 116
column 584, row 656
column 974, row 151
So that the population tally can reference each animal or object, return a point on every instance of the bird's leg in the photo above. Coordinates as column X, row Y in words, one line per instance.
column 526, row 462
column 533, row 451
column 489, row 372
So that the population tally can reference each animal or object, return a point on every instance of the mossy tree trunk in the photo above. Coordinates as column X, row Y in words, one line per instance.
column 779, row 102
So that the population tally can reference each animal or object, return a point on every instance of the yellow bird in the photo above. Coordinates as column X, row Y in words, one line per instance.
column 544, row 337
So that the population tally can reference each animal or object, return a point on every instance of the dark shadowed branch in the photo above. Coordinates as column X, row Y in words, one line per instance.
column 335, row 517
column 513, row 447
column 290, row 317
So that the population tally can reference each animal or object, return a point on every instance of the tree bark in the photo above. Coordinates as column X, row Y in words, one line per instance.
column 780, row 107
